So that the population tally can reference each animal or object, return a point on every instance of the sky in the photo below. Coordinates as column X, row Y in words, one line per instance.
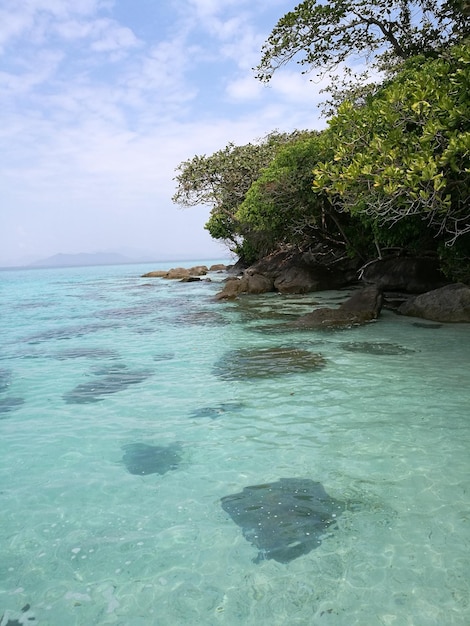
column 102, row 99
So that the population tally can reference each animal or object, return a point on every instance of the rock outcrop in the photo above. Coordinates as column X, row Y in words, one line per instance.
column 185, row 273
column 217, row 267
column 253, row 283
column 389, row 281
column 404, row 274
column 178, row 273
column 290, row 272
column 363, row 306
column 447, row 304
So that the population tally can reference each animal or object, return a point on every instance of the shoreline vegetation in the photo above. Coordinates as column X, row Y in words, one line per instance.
column 382, row 195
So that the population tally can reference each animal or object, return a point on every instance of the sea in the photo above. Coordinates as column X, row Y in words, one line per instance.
column 168, row 459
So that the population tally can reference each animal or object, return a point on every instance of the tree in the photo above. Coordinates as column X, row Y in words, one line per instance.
column 404, row 157
column 281, row 209
column 321, row 36
column 222, row 180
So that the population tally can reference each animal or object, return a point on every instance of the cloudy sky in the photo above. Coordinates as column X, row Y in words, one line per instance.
column 102, row 99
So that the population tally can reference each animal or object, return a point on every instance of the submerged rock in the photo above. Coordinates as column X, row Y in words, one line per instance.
column 110, row 380
column 10, row 403
column 200, row 318
column 143, row 459
column 71, row 332
column 5, row 379
column 85, row 353
column 163, row 356
column 267, row 362
column 376, row 347
column 284, row 519
column 213, row 412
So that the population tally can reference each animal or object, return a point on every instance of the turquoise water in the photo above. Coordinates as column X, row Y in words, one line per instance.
column 96, row 359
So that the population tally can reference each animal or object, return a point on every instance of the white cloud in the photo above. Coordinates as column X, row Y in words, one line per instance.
column 245, row 88
column 96, row 118
column 295, row 87
column 104, row 35
column 12, row 25
column 109, row 37
column 16, row 84
column 33, row 18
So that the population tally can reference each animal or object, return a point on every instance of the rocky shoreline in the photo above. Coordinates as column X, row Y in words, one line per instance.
column 412, row 286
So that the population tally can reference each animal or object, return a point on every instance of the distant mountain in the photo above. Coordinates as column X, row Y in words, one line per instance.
column 76, row 260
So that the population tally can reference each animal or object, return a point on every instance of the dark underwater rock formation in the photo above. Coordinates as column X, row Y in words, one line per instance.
column 85, row 353
column 5, row 379
column 255, row 363
column 143, row 459
column 10, row 403
column 7, row 403
column 378, row 348
column 285, row 519
column 213, row 412
column 111, row 379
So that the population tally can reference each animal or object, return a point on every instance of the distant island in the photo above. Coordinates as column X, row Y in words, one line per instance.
column 83, row 258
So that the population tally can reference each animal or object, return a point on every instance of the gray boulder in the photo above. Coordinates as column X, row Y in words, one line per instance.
column 363, row 306
column 295, row 271
column 178, row 273
column 404, row 274
column 290, row 271
column 447, row 304
column 248, row 283
column 217, row 267
column 298, row 279
column 156, row 274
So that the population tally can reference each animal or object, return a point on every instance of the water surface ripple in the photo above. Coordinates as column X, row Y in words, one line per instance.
column 130, row 408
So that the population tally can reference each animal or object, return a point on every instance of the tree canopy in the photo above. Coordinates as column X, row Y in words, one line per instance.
column 222, row 180
column 280, row 209
column 322, row 35
column 393, row 166
column 407, row 151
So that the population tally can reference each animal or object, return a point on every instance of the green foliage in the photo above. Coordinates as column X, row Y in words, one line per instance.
column 222, row 180
column 391, row 170
column 280, row 207
column 406, row 152
column 320, row 35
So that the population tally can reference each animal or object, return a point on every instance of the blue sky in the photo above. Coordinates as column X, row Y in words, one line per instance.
column 102, row 99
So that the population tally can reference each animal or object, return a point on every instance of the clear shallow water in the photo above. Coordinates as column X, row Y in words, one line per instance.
column 96, row 359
